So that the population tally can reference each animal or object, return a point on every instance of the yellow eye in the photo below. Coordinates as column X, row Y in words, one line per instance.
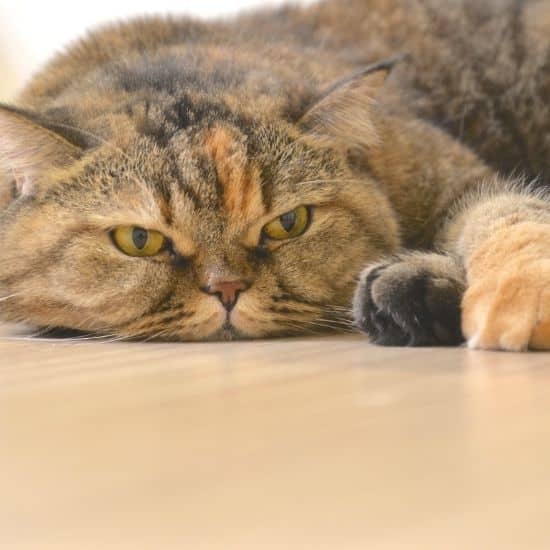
column 136, row 241
column 289, row 225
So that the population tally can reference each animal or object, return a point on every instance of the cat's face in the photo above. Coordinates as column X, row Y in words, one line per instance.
column 224, row 230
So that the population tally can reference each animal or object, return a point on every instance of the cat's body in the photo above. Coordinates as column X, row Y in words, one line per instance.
column 207, row 134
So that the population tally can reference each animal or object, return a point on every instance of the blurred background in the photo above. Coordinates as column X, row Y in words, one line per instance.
column 31, row 31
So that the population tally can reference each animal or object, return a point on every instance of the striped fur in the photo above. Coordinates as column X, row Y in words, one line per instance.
column 208, row 131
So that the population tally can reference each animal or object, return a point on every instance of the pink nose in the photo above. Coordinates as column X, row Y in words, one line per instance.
column 227, row 291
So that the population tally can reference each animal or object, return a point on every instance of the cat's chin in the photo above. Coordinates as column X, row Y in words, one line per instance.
column 238, row 325
column 226, row 333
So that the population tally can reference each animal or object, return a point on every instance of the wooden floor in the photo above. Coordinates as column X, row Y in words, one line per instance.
column 316, row 444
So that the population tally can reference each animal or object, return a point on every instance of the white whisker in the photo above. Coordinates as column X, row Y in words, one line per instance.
column 4, row 298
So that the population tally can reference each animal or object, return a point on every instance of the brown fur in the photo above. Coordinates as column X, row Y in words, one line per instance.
column 208, row 131
column 238, row 177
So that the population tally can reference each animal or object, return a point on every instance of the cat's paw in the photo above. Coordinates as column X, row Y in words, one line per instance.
column 413, row 300
column 507, row 304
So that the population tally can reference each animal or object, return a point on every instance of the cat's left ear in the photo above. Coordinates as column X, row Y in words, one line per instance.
column 29, row 149
column 342, row 115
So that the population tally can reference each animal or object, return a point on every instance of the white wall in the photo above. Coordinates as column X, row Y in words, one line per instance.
column 32, row 30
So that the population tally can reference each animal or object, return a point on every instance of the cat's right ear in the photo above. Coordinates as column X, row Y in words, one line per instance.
column 342, row 115
column 29, row 149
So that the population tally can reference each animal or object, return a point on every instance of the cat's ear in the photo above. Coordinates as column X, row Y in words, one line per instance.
column 342, row 114
column 29, row 149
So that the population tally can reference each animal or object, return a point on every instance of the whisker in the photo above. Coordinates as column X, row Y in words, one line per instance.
column 158, row 334
column 4, row 298
column 121, row 338
column 341, row 308
column 335, row 326
column 337, row 322
column 335, row 180
column 97, row 337
column 316, row 326
column 298, row 329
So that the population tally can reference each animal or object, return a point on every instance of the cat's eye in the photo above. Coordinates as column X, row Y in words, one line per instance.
column 136, row 241
column 289, row 225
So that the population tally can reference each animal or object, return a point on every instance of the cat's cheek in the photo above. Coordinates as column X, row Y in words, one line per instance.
column 209, row 318
column 112, row 292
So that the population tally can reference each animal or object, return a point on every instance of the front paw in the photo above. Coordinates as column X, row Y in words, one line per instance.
column 507, row 304
column 414, row 300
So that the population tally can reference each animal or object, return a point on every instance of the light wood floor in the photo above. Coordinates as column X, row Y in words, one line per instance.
column 310, row 443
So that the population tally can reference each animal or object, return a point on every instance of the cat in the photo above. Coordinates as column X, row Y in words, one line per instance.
column 349, row 164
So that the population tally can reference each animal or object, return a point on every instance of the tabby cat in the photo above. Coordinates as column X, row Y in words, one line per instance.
column 288, row 172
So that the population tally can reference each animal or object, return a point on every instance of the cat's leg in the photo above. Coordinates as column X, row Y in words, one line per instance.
column 499, row 252
column 411, row 299
column 505, row 245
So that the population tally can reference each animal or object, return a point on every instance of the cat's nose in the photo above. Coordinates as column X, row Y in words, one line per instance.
column 227, row 291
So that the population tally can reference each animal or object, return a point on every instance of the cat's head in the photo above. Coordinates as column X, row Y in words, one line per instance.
column 229, row 226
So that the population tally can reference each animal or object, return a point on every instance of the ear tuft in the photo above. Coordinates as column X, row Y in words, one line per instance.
column 342, row 114
column 28, row 150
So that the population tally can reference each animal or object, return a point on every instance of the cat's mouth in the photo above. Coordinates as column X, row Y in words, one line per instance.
column 227, row 332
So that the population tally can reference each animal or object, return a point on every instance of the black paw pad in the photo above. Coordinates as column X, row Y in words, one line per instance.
column 418, row 310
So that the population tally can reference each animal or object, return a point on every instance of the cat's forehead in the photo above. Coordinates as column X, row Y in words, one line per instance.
column 218, row 179
column 202, row 185
column 238, row 175
column 229, row 159
column 220, row 171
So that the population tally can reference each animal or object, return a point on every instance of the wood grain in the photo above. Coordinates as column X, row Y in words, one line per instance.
column 307, row 443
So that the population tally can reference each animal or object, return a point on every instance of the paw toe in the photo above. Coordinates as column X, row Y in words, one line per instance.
column 399, row 306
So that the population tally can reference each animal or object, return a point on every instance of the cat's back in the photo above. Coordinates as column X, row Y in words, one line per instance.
column 332, row 32
column 326, row 37
column 271, row 43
